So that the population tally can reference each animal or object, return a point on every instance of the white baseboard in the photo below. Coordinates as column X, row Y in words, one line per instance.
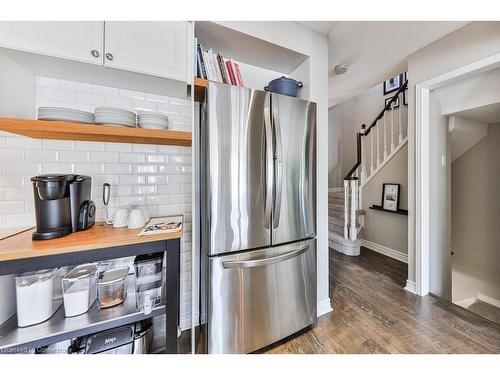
column 488, row 299
column 395, row 254
column 411, row 286
column 324, row 307
column 466, row 302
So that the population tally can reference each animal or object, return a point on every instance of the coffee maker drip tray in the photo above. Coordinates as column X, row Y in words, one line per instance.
column 51, row 233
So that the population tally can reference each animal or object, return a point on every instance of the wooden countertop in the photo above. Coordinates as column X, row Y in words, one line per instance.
column 21, row 246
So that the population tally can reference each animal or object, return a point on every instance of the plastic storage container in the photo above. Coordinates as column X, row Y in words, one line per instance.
column 80, row 289
column 148, row 281
column 35, row 294
column 112, row 288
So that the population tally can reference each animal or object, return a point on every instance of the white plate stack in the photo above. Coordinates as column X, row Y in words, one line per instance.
column 152, row 120
column 115, row 116
column 65, row 114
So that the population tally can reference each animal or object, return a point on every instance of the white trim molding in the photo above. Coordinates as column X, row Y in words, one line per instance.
column 391, row 253
column 411, row 287
column 323, row 307
column 488, row 299
column 419, row 193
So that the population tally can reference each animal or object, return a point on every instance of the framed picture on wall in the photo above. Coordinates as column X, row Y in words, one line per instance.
column 390, row 196
column 394, row 105
column 393, row 84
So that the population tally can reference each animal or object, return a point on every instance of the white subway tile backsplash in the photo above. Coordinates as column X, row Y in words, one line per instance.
column 121, row 168
column 119, row 147
column 132, row 180
column 74, row 156
column 58, row 95
column 89, row 146
column 22, row 167
column 157, row 177
column 119, row 102
column 52, row 144
column 41, row 155
column 106, row 156
column 104, row 90
column 47, row 82
column 132, row 94
column 23, row 143
column 12, row 207
column 89, row 98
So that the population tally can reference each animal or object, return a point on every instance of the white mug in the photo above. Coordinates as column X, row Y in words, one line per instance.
column 136, row 218
column 121, row 217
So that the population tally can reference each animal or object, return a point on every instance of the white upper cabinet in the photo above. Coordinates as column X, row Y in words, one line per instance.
column 73, row 40
column 155, row 48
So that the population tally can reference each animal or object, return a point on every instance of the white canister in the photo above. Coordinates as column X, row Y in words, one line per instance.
column 34, row 297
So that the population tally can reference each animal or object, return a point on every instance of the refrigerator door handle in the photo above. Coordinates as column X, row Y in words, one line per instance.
column 269, row 167
column 264, row 261
column 278, row 169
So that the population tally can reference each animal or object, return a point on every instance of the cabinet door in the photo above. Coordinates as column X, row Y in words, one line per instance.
column 75, row 40
column 155, row 48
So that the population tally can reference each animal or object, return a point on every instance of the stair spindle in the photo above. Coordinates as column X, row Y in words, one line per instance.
column 371, row 152
column 392, row 128
column 400, row 109
column 385, row 135
column 378, row 145
column 363, row 159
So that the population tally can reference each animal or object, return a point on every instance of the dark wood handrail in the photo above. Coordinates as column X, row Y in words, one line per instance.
column 364, row 133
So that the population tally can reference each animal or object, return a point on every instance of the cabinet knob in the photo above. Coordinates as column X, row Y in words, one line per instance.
column 109, row 56
column 94, row 53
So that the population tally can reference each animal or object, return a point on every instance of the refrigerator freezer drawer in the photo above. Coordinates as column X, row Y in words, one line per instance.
column 259, row 297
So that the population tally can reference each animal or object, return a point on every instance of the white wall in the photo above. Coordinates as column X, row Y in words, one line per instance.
column 384, row 228
column 296, row 37
column 475, row 219
column 464, row 46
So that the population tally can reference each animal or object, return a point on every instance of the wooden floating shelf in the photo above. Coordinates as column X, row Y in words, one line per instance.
column 89, row 132
column 200, row 85
column 398, row 212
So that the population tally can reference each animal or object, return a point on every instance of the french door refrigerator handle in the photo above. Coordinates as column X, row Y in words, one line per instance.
column 278, row 168
column 269, row 167
column 264, row 261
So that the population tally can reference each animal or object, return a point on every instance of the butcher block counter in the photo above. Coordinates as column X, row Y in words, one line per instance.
column 19, row 253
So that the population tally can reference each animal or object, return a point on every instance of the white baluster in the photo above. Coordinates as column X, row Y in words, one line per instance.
column 400, row 100
column 385, row 135
column 392, row 129
column 371, row 152
column 378, row 145
column 346, row 209
column 363, row 159
column 354, row 202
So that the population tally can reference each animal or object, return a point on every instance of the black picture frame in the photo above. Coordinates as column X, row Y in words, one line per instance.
column 394, row 105
column 388, row 196
column 392, row 87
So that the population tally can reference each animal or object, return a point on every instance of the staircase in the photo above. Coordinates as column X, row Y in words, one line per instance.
column 376, row 145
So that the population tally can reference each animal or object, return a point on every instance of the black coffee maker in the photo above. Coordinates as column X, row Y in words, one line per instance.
column 62, row 205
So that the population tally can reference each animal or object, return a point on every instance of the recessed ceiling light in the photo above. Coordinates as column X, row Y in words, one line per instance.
column 340, row 69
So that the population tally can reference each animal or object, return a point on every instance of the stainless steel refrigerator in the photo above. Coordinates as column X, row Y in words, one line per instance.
column 258, row 217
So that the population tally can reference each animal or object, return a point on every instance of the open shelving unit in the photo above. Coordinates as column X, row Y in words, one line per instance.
column 59, row 328
column 64, row 130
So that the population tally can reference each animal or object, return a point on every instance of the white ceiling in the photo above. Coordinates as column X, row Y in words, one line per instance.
column 489, row 114
column 322, row 27
column 373, row 51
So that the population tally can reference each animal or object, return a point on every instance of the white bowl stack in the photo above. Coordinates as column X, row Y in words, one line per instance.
column 115, row 116
column 152, row 120
column 65, row 114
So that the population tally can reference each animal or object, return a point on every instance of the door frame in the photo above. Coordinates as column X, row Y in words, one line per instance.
column 421, row 196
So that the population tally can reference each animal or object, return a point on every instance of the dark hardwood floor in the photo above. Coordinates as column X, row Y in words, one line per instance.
column 372, row 313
